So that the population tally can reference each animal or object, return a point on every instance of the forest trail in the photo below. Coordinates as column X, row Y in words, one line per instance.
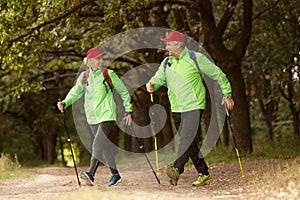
column 137, row 183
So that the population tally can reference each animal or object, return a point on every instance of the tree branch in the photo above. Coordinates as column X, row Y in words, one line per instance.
column 257, row 16
column 241, row 45
column 79, row 6
column 227, row 16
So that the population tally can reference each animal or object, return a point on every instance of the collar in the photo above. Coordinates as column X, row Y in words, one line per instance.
column 184, row 52
column 96, row 71
column 182, row 55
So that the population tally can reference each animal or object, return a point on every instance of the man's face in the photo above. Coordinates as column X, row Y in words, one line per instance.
column 174, row 48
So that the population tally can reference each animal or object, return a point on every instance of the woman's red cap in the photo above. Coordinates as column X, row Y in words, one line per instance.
column 94, row 53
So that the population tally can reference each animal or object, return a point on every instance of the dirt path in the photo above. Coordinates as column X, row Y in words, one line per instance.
column 61, row 183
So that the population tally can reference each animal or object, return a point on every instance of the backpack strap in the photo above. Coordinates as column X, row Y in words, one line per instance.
column 105, row 75
column 166, row 63
column 85, row 77
column 107, row 79
column 192, row 55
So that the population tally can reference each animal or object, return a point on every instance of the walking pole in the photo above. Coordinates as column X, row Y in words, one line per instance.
column 155, row 141
column 142, row 147
column 235, row 146
column 69, row 141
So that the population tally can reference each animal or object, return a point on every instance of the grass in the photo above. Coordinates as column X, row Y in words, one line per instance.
column 280, row 180
column 264, row 150
column 10, row 168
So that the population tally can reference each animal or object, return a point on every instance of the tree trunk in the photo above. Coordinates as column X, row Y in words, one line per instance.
column 296, row 126
column 240, row 113
column 225, row 135
column 61, row 147
column 270, row 130
column 267, row 119
column 48, row 140
column 230, row 60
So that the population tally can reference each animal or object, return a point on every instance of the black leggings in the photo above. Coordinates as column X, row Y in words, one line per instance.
column 187, row 128
column 102, row 146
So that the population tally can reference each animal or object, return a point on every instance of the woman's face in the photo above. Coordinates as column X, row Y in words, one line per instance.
column 96, row 63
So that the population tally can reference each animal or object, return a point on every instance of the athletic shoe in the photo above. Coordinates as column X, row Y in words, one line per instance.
column 202, row 180
column 173, row 174
column 87, row 177
column 114, row 179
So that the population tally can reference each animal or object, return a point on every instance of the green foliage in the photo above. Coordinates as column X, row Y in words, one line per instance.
column 271, row 66
column 14, row 142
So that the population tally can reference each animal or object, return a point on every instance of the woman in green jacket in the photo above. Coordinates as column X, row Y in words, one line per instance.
column 186, row 94
column 100, row 110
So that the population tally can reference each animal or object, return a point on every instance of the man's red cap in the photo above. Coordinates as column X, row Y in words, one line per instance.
column 94, row 53
column 174, row 36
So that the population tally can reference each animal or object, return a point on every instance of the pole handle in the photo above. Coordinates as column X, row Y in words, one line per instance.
column 62, row 111
column 151, row 97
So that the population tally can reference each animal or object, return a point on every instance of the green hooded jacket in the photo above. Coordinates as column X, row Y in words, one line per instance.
column 99, row 103
column 186, row 91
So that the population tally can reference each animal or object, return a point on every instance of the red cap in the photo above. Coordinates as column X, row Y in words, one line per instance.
column 94, row 53
column 174, row 36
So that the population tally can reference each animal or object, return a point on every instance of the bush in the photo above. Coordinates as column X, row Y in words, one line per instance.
column 10, row 168
column 6, row 163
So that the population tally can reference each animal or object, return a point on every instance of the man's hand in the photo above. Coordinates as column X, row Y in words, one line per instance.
column 229, row 103
column 150, row 87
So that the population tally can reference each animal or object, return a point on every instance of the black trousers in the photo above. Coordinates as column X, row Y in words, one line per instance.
column 187, row 127
column 102, row 146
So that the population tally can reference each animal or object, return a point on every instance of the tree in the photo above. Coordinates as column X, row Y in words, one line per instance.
column 272, row 61
column 285, row 25
column 29, row 68
column 43, row 46
column 230, row 59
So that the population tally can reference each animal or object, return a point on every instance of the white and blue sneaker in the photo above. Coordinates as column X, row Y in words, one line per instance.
column 87, row 177
column 114, row 179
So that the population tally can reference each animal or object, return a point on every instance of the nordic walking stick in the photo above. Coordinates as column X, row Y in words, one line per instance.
column 155, row 143
column 235, row 146
column 142, row 147
column 69, row 141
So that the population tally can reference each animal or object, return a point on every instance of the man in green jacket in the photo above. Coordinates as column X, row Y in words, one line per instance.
column 187, row 97
column 100, row 110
